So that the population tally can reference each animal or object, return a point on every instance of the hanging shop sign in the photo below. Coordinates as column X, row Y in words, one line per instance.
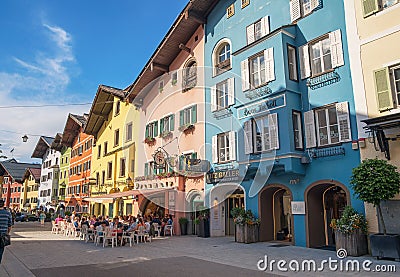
column 197, row 165
column 223, row 176
column 159, row 159
column 262, row 106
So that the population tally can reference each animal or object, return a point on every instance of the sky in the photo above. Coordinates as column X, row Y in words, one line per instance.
column 58, row 52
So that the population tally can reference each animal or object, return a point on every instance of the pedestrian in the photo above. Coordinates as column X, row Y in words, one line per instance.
column 5, row 226
column 42, row 216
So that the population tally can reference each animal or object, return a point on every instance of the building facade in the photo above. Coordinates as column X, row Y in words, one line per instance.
column 376, row 62
column 30, row 191
column 281, row 118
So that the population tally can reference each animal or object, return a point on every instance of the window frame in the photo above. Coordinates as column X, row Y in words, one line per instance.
column 117, row 108
column 292, row 64
column 122, row 167
column 297, row 117
column 222, row 94
column 257, row 57
column 189, row 75
column 152, row 129
column 109, row 170
column 129, row 131
column 116, row 137
column 319, row 41
column 395, row 86
column 225, row 135
column 328, row 126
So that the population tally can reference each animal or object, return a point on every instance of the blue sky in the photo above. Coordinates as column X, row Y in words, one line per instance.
column 57, row 52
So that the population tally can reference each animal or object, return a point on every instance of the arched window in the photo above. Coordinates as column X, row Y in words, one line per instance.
column 189, row 79
column 222, row 56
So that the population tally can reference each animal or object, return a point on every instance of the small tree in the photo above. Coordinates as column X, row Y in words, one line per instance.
column 374, row 181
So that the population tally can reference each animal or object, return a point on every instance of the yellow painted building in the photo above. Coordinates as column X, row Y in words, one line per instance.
column 112, row 121
column 30, row 189
column 374, row 37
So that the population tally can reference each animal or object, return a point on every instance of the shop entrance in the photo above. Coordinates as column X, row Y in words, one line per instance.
column 275, row 214
column 235, row 200
column 154, row 205
column 324, row 203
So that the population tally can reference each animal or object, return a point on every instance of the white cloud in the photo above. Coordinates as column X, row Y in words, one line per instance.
column 39, row 81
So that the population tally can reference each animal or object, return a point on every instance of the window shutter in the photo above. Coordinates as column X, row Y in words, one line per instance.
column 336, row 48
column 172, row 122
column 146, row 169
column 244, row 65
column 181, row 119
column 248, row 137
column 161, row 125
column 273, row 131
column 232, row 145
column 231, row 91
column 314, row 4
column 342, row 112
column 194, row 114
column 265, row 25
column 370, row 7
column 295, row 11
column 155, row 128
column 305, row 69
column 214, row 149
column 309, row 126
column 269, row 64
column 383, row 89
column 213, row 98
column 146, row 135
column 250, row 33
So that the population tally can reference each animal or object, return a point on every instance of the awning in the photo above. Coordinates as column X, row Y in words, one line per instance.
column 109, row 198
column 383, row 122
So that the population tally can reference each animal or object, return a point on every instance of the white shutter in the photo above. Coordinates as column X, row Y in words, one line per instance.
column 305, row 69
column 248, row 137
column 314, row 4
column 250, row 34
column 244, row 65
column 265, row 25
column 336, row 48
column 269, row 64
column 295, row 10
column 213, row 98
column 214, row 149
column 309, row 126
column 273, row 131
column 232, row 145
column 342, row 111
column 231, row 91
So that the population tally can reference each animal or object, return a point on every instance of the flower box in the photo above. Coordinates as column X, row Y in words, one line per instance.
column 247, row 233
column 166, row 135
column 188, row 128
column 355, row 243
column 150, row 140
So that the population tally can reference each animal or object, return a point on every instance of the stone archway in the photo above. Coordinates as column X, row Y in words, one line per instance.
column 275, row 214
column 325, row 200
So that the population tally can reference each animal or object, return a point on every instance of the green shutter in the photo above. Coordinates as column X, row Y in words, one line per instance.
column 383, row 90
column 172, row 123
column 181, row 118
column 155, row 128
column 370, row 7
column 181, row 162
column 194, row 114
column 147, row 132
column 146, row 169
column 161, row 125
column 194, row 155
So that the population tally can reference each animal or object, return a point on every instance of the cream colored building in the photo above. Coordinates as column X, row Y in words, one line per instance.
column 373, row 28
column 30, row 191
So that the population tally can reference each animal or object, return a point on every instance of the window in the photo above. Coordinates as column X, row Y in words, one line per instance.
column 122, row 167
column 98, row 151
column 129, row 128
column 261, row 134
column 257, row 30
column 117, row 107
column 184, row 161
column 189, row 75
column 321, row 55
column 371, row 7
column 330, row 123
column 105, row 148
column 230, row 11
column 223, row 95
column 149, row 169
column 132, row 166
column 302, row 8
column 109, row 170
column 161, row 86
column 97, row 178
column 245, row 3
column 116, row 137
column 297, row 130
column 224, row 147
column 387, row 87
column 222, row 57
column 258, row 70
column 292, row 63
column 152, row 129
column 167, row 124
column 174, row 78
column 188, row 116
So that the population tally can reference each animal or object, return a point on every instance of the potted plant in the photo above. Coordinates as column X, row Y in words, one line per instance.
column 150, row 140
column 246, row 225
column 375, row 181
column 187, row 128
column 183, row 222
column 351, row 232
column 203, row 222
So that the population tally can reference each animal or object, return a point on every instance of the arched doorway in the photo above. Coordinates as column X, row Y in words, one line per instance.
column 153, row 204
column 275, row 214
column 194, row 201
column 324, row 202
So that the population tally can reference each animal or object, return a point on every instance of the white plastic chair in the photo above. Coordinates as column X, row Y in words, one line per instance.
column 140, row 233
column 157, row 229
column 55, row 228
column 99, row 234
column 168, row 228
column 110, row 235
column 130, row 237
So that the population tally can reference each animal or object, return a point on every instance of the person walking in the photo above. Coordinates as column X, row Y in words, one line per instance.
column 42, row 216
column 5, row 225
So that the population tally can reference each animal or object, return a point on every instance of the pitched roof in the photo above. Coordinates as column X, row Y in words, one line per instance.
column 42, row 145
column 72, row 128
column 35, row 172
column 16, row 170
column 101, row 107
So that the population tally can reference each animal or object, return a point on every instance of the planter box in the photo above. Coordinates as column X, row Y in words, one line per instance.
column 385, row 246
column 204, row 228
column 246, row 233
column 355, row 244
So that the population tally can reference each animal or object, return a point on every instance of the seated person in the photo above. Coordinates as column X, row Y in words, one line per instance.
column 132, row 227
column 169, row 221
column 58, row 219
column 118, row 226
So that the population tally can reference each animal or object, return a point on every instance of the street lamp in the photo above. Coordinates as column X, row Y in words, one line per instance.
column 25, row 138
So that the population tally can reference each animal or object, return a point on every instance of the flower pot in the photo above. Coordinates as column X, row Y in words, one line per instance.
column 355, row 243
column 183, row 228
column 246, row 233
column 385, row 246
column 204, row 228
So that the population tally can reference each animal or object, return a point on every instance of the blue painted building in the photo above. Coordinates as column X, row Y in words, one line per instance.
column 280, row 119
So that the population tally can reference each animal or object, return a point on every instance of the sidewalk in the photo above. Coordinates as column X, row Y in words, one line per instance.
column 39, row 250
